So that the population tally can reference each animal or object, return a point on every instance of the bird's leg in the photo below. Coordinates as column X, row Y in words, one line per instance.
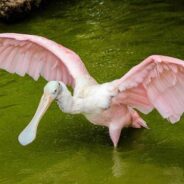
column 114, row 132
column 137, row 121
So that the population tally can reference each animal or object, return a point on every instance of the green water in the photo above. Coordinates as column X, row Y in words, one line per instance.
column 111, row 36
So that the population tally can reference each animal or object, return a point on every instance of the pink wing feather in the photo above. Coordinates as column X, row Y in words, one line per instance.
column 157, row 82
column 38, row 56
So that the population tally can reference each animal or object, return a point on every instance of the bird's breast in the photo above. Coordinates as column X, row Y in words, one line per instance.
column 118, row 114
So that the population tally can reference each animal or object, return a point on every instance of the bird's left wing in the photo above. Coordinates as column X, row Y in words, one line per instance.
column 38, row 56
column 157, row 82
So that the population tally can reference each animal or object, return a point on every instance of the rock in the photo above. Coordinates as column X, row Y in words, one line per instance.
column 11, row 10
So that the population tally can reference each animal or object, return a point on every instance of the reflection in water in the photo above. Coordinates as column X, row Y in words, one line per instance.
column 117, row 168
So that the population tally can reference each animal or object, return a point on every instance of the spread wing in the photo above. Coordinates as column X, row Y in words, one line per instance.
column 38, row 56
column 157, row 82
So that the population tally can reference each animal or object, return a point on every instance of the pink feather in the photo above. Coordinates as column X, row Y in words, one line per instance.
column 37, row 56
column 160, row 79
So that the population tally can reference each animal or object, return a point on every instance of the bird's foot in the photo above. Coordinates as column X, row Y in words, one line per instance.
column 139, row 123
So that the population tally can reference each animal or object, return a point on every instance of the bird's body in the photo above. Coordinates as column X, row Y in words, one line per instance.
column 157, row 82
column 93, row 100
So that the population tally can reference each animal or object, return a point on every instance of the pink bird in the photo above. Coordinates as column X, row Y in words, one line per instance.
column 157, row 82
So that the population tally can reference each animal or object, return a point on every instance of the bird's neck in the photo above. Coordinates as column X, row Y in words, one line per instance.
column 65, row 100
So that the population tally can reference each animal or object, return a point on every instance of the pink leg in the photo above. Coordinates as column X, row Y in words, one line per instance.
column 137, row 121
column 114, row 133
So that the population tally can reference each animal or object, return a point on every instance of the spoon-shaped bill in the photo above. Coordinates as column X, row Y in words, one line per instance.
column 29, row 133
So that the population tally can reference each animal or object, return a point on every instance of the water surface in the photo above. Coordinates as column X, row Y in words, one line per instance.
column 110, row 37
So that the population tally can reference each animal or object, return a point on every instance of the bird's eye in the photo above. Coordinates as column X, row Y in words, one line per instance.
column 55, row 90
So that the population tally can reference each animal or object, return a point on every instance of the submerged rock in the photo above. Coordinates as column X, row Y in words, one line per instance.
column 11, row 10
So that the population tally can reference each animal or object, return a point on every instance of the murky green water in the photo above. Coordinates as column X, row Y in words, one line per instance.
column 110, row 36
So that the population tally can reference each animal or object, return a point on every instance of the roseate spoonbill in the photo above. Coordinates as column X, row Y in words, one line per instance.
column 157, row 82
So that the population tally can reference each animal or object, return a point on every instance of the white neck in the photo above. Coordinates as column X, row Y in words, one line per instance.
column 65, row 100
column 68, row 103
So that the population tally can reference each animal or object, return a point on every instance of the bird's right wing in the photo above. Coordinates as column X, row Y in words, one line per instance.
column 157, row 82
column 38, row 56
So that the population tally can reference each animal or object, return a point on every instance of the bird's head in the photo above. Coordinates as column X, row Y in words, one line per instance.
column 51, row 91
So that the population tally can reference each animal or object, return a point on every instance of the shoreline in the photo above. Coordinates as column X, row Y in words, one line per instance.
column 12, row 10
